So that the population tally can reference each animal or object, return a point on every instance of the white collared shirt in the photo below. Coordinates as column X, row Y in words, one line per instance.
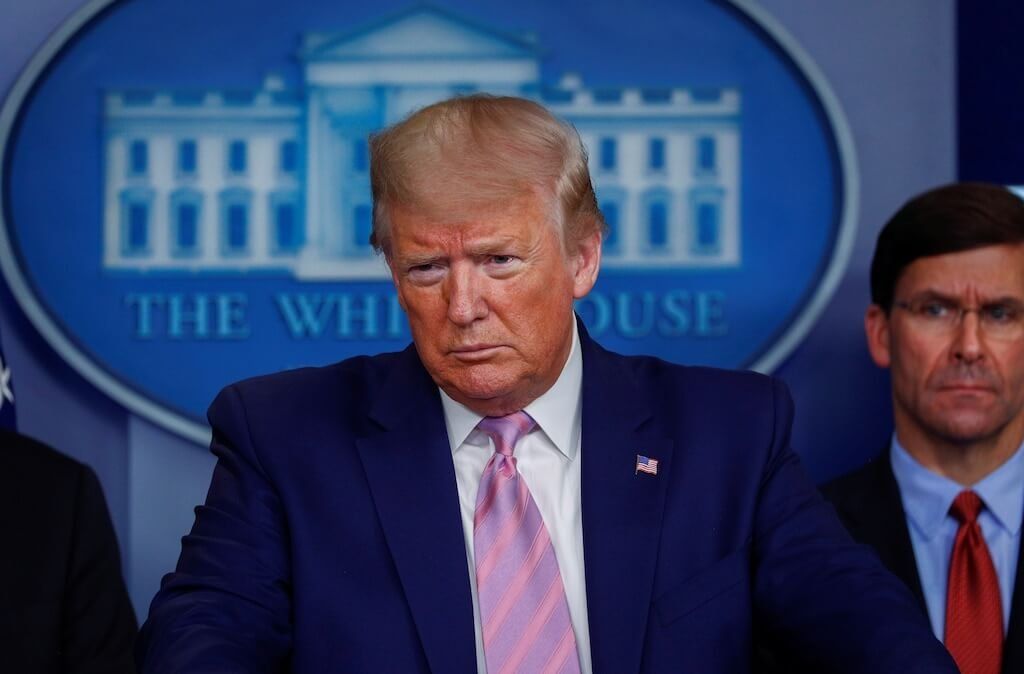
column 549, row 460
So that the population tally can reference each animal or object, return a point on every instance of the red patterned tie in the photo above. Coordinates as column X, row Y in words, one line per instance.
column 523, row 611
column 974, row 613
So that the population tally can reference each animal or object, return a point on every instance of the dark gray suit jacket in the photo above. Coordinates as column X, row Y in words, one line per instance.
column 63, row 604
column 868, row 502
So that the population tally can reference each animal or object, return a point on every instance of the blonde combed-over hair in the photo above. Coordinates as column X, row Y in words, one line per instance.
column 481, row 150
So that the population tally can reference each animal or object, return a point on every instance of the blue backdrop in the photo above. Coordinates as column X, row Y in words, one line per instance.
column 892, row 68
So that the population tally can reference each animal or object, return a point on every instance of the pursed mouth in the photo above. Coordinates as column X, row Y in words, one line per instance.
column 966, row 388
column 475, row 351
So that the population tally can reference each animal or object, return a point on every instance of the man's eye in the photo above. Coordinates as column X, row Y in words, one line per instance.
column 934, row 309
column 1001, row 313
column 502, row 259
column 427, row 272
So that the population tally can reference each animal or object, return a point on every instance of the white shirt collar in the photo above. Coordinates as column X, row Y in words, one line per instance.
column 557, row 411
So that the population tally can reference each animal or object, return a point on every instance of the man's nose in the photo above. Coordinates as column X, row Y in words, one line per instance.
column 968, row 345
column 465, row 297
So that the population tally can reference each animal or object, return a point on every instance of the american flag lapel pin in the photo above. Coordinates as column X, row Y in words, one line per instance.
column 645, row 464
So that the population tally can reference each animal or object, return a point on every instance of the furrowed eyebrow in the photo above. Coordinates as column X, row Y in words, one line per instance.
column 419, row 260
column 1007, row 300
column 936, row 296
column 492, row 247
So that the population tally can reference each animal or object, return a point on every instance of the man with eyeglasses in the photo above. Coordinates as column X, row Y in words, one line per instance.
column 943, row 505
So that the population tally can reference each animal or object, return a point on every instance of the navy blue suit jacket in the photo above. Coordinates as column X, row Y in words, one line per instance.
column 331, row 538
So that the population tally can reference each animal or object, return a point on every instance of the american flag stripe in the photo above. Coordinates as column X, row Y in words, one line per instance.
column 646, row 464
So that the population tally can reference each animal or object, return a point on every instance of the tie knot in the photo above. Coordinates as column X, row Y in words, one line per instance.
column 505, row 431
column 966, row 507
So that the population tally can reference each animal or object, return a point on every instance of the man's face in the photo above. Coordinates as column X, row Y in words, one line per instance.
column 963, row 384
column 489, row 296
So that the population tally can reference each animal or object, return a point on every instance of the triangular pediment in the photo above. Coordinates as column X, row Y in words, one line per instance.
column 422, row 30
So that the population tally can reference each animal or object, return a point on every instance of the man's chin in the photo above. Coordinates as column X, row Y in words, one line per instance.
column 488, row 398
column 969, row 428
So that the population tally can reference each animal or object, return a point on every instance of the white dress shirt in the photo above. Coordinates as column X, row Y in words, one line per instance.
column 549, row 461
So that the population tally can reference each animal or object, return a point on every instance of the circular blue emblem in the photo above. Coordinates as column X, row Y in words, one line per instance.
column 186, row 193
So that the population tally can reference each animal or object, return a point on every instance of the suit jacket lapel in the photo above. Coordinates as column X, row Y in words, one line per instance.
column 408, row 464
column 622, row 510
column 883, row 513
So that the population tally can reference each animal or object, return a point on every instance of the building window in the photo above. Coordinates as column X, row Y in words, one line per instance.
column 656, row 154
column 287, row 235
column 706, row 152
column 656, row 218
column 706, row 210
column 608, row 149
column 237, row 156
column 657, row 224
column 186, row 236
column 185, row 213
column 363, row 223
column 138, row 228
column 234, row 238
column 707, row 227
column 289, row 156
column 187, row 157
column 138, row 157
column 237, row 226
column 360, row 155
column 135, row 222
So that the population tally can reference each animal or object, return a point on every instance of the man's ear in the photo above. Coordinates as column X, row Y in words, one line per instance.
column 879, row 335
column 586, row 263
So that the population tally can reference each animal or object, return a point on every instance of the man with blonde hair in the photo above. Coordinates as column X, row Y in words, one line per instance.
column 505, row 495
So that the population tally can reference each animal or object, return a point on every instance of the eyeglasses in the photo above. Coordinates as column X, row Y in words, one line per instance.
column 998, row 320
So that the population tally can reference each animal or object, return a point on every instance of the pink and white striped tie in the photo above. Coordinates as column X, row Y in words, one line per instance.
column 523, row 610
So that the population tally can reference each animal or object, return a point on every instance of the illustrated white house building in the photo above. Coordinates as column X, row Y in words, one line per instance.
column 277, row 179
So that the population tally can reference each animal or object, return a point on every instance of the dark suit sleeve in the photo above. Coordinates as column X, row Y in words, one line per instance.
column 827, row 601
column 97, row 623
column 226, row 608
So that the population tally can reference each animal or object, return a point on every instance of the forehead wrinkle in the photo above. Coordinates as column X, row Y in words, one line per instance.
column 950, row 276
column 431, row 232
column 491, row 243
column 428, row 234
column 934, row 294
